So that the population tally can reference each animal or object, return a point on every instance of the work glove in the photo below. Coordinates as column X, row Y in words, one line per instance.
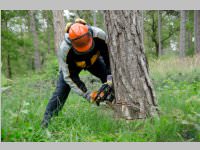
column 109, row 80
column 81, row 85
column 90, row 96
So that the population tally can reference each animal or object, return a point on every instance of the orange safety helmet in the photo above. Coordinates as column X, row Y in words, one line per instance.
column 80, row 37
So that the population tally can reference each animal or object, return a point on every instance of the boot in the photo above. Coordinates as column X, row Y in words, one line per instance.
column 45, row 122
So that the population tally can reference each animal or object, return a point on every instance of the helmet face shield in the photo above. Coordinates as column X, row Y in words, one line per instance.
column 83, row 43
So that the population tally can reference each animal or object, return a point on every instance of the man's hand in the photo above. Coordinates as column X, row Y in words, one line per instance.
column 109, row 80
column 91, row 96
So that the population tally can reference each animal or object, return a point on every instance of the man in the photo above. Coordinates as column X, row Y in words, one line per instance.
column 83, row 47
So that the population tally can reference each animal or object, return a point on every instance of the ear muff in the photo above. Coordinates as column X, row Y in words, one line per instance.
column 82, row 21
column 78, row 20
column 69, row 24
column 90, row 30
column 67, row 27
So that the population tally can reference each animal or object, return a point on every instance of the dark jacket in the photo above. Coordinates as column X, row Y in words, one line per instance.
column 70, row 62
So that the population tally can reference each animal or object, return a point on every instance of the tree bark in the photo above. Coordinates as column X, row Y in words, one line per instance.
column 9, row 73
column 8, row 63
column 37, row 62
column 142, row 26
column 197, row 30
column 188, row 33
column 49, row 39
column 94, row 18
column 189, row 43
column 182, row 33
column 154, row 34
column 49, row 28
column 135, row 97
column 59, row 28
column 159, row 34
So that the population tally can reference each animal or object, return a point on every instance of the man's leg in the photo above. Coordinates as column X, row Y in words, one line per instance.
column 99, row 70
column 57, row 100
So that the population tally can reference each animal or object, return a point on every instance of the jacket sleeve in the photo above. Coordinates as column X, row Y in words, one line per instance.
column 63, row 66
column 99, row 33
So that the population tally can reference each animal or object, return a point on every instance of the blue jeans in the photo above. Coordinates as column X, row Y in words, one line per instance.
column 62, row 90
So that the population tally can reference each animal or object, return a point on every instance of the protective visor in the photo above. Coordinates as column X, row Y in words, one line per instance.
column 83, row 43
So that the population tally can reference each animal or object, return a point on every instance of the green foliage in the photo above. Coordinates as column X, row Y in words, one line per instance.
column 51, row 68
column 4, row 81
column 169, row 31
column 17, row 43
column 23, row 105
column 179, row 97
column 176, row 82
column 88, row 16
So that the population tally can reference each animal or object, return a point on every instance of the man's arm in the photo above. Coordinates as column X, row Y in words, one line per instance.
column 62, row 56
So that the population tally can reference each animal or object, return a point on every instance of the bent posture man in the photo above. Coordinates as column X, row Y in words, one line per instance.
column 83, row 47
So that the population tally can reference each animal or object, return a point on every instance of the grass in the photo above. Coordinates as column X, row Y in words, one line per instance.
column 177, row 86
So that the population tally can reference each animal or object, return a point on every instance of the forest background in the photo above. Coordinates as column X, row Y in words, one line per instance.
column 30, row 69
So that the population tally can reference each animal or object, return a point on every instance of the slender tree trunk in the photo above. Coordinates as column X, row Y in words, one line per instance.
column 154, row 33
column 159, row 34
column 8, row 63
column 142, row 26
column 197, row 30
column 59, row 28
column 32, row 64
column 49, row 28
column 188, row 33
column 135, row 97
column 49, row 39
column 182, row 33
column 94, row 18
column 37, row 63
column 9, row 73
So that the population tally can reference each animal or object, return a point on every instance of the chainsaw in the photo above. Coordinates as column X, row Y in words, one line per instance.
column 105, row 92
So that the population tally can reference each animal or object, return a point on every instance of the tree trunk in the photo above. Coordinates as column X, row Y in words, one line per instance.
column 9, row 73
column 189, row 43
column 8, row 63
column 142, row 26
column 154, row 34
column 182, row 33
column 188, row 33
column 59, row 28
column 94, row 18
column 49, row 39
column 159, row 34
column 197, row 30
column 135, row 97
column 46, row 14
column 37, row 63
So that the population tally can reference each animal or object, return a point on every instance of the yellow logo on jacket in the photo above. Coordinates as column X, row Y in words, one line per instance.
column 82, row 64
